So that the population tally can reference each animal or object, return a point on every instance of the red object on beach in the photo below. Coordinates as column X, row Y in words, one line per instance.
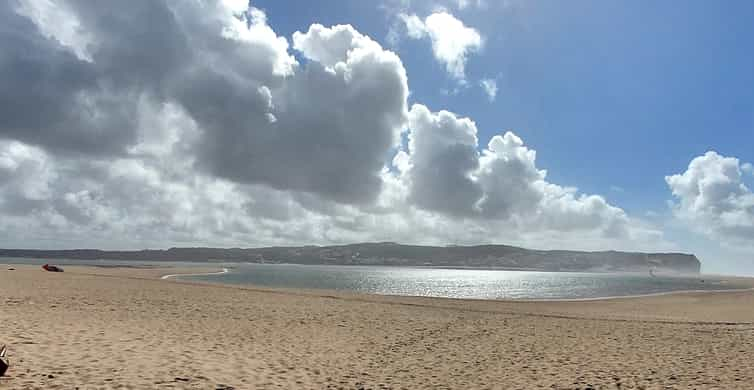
column 51, row 268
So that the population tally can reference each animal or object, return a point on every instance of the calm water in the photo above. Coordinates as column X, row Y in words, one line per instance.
column 479, row 284
column 431, row 282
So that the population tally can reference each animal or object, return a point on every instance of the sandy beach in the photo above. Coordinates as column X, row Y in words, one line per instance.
column 128, row 329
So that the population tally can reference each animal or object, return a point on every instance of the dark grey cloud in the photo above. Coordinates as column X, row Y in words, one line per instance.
column 49, row 97
column 263, row 119
column 137, row 45
column 326, row 129
column 443, row 151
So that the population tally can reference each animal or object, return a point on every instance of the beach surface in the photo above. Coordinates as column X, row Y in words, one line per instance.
column 126, row 328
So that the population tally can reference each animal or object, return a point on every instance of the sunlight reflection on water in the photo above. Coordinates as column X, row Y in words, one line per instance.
column 458, row 283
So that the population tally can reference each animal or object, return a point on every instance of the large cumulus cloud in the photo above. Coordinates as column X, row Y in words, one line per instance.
column 157, row 123
column 445, row 172
column 714, row 199
column 326, row 129
column 442, row 157
column 51, row 97
column 264, row 119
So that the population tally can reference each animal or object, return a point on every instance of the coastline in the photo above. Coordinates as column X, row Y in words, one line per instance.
column 328, row 292
column 620, row 308
column 179, row 275
column 184, row 334
column 170, row 263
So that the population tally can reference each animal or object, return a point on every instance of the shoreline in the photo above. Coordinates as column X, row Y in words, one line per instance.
column 168, row 263
column 327, row 292
column 178, row 275
column 186, row 271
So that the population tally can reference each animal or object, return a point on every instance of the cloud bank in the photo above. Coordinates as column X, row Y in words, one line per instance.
column 158, row 123
column 713, row 199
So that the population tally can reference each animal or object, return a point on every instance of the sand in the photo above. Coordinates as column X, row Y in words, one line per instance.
column 127, row 329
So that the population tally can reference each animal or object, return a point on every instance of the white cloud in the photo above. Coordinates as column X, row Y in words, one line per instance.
column 415, row 27
column 330, row 46
column 452, row 41
column 489, row 86
column 25, row 176
column 250, row 27
column 463, row 4
column 748, row 168
column 445, row 174
column 58, row 22
column 714, row 200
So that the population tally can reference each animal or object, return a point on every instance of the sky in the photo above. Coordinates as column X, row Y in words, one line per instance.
column 554, row 125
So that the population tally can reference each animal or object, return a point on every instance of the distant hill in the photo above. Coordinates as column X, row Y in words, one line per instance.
column 388, row 253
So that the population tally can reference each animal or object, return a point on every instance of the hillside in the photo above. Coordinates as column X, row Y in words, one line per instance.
column 480, row 256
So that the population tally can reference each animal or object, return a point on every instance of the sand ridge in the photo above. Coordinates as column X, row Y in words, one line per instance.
column 125, row 328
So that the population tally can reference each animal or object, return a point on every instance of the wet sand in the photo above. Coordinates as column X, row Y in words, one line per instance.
column 126, row 328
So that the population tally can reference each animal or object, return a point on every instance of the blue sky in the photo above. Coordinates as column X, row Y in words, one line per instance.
column 229, row 123
column 610, row 94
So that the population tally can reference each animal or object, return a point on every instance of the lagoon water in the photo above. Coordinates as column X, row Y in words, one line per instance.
column 429, row 282
column 458, row 283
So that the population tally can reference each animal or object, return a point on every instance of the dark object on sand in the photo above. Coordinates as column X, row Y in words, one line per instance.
column 52, row 268
column 4, row 363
